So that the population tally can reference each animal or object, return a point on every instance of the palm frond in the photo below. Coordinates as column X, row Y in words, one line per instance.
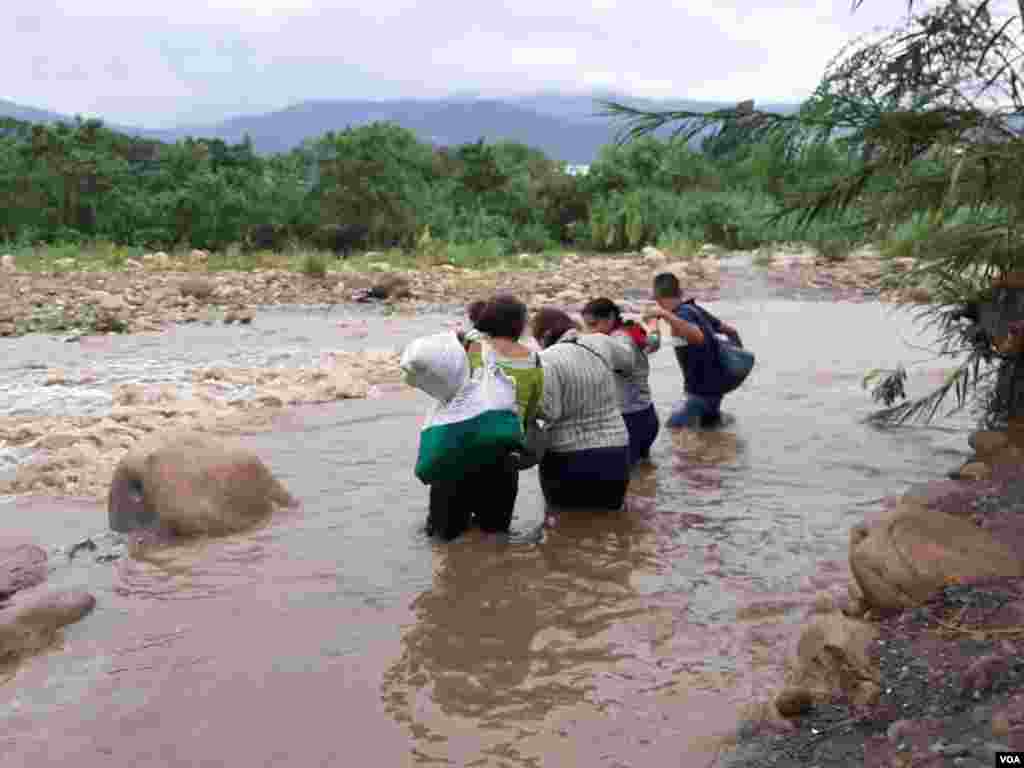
column 754, row 125
column 960, row 383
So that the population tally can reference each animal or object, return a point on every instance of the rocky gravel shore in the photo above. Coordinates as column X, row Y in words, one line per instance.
column 148, row 295
column 951, row 675
column 949, row 672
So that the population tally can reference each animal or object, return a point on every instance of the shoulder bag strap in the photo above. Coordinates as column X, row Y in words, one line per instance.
column 596, row 354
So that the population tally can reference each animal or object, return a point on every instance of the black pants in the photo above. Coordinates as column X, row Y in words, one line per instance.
column 595, row 478
column 643, row 429
column 486, row 497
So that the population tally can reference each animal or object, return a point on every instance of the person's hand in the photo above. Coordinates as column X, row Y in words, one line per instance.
column 655, row 313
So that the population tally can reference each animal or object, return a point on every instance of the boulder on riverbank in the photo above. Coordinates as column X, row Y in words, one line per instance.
column 192, row 484
column 832, row 657
column 944, row 577
column 950, row 672
column 902, row 560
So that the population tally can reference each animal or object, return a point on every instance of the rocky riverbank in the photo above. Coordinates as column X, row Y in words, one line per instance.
column 153, row 294
column 951, row 674
column 937, row 683
column 148, row 295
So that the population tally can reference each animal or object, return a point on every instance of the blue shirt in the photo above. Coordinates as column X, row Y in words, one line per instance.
column 700, row 364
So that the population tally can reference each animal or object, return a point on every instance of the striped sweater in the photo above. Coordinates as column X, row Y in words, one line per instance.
column 581, row 398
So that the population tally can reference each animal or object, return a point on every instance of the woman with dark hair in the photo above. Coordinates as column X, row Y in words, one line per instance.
column 467, row 335
column 488, row 496
column 587, row 460
column 604, row 316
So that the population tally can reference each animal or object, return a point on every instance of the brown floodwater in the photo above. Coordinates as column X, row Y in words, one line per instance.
column 338, row 634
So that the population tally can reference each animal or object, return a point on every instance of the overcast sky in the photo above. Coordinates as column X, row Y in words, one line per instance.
column 155, row 64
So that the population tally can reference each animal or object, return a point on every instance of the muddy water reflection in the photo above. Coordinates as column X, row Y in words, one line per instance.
column 617, row 639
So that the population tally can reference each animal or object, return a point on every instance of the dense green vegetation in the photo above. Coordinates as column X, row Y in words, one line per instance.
column 65, row 185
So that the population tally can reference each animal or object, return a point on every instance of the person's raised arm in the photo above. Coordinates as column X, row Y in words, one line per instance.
column 679, row 327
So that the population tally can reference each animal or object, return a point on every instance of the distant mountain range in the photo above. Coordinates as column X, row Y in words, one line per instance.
column 28, row 114
column 564, row 126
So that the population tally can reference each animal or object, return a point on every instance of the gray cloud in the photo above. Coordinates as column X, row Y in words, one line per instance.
column 134, row 63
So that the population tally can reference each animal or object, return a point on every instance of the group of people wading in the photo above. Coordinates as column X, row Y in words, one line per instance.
column 590, row 387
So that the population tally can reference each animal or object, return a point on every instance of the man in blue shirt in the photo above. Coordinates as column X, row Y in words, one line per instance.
column 696, row 349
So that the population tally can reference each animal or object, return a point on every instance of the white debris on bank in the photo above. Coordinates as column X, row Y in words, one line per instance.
column 76, row 455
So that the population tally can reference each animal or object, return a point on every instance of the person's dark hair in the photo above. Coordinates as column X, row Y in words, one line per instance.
column 666, row 286
column 503, row 317
column 550, row 324
column 474, row 310
column 604, row 309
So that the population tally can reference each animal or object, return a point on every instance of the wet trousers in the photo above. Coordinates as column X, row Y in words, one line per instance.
column 643, row 428
column 486, row 497
column 594, row 478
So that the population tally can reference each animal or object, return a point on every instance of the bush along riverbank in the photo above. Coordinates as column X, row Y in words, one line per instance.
column 923, row 664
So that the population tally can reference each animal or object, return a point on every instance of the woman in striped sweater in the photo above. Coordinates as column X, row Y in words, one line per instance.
column 587, row 461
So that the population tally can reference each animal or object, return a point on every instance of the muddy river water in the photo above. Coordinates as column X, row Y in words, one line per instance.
column 340, row 635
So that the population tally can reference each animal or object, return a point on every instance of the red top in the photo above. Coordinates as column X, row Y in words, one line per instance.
column 636, row 333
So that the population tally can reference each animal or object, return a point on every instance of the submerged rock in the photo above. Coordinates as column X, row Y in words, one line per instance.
column 21, row 566
column 192, row 484
column 30, row 624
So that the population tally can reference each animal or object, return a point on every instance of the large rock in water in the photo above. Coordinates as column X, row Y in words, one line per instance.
column 192, row 484
column 31, row 623
column 907, row 556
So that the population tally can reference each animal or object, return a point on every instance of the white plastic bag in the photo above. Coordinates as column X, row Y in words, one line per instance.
column 436, row 364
